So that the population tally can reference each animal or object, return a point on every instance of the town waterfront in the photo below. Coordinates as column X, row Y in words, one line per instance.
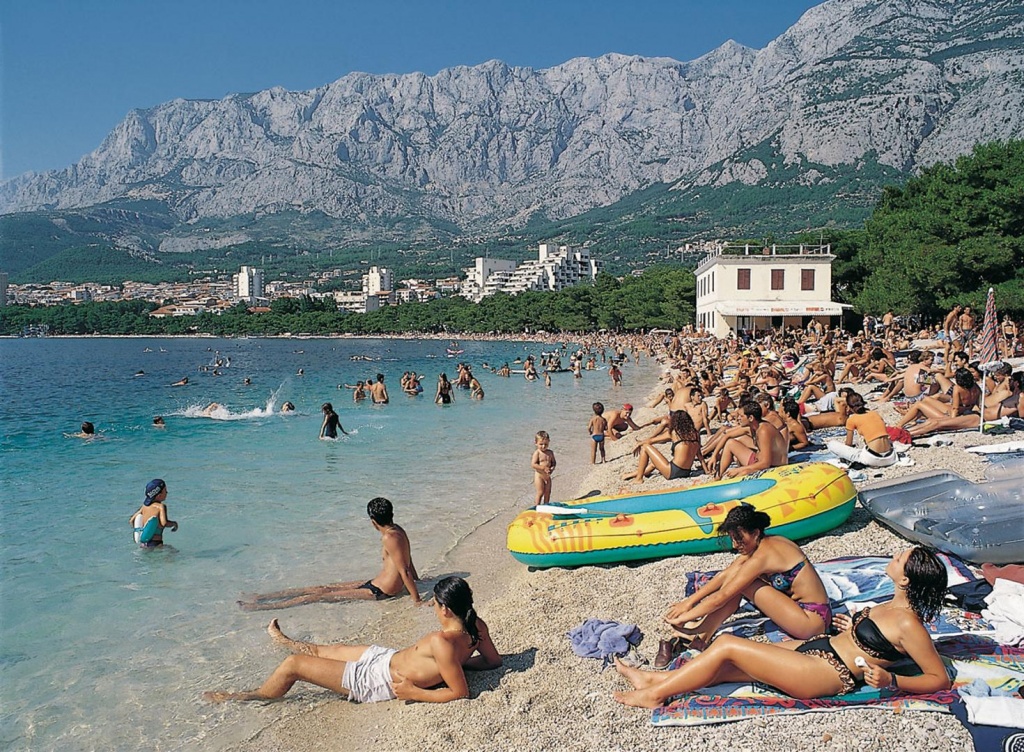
column 107, row 646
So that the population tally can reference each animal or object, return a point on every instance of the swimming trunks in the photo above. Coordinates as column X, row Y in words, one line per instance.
column 369, row 678
column 597, row 437
column 378, row 594
column 821, row 647
column 870, row 639
column 783, row 581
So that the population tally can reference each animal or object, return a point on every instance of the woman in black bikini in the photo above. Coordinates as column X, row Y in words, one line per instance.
column 824, row 666
column 444, row 394
column 771, row 572
column 685, row 449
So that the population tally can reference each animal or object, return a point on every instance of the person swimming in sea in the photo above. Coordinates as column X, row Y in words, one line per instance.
column 332, row 423
column 153, row 507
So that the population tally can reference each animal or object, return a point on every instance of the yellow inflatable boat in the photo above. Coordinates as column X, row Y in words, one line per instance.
column 802, row 500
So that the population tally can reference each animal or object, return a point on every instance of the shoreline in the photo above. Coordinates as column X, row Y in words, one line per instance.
column 545, row 697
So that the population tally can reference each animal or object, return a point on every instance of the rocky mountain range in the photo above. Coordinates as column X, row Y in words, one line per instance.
column 899, row 84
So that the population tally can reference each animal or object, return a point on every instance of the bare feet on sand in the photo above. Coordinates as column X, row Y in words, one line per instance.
column 635, row 676
column 280, row 638
column 638, row 698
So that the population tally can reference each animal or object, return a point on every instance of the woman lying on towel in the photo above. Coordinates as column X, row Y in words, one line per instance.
column 824, row 666
column 771, row 572
column 373, row 674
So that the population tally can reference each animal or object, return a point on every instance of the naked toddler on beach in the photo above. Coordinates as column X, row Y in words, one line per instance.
column 543, row 464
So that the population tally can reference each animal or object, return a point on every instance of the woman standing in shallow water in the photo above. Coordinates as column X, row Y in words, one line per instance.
column 824, row 666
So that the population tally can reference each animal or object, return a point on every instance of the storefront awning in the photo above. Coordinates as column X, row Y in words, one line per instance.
column 781, row 308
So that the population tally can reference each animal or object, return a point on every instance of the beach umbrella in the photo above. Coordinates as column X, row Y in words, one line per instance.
column 987, row 347
column 987, row 352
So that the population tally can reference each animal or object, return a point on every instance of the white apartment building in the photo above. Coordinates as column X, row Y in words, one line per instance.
column 556, row 268
column 379, row 282
column 485, row 271
column 747, row 288
column 249, row 284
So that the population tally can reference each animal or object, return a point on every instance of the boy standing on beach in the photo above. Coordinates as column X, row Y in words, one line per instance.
column 543, row 464
column 597, row 426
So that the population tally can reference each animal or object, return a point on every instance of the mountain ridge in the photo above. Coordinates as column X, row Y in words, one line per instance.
column 493, row 148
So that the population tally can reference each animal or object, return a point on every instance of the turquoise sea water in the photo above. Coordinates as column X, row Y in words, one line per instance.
column 106, row 646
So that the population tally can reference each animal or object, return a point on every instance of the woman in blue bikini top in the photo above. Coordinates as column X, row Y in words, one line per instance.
column 771, row 572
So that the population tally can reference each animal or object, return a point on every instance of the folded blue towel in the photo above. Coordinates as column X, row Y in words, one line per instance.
column 597, row 638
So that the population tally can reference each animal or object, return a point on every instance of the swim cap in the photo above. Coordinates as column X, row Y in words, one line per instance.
column 627, row 406
column 153, row 489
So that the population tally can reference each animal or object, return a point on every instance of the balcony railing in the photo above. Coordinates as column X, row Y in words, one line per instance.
column 768, row 251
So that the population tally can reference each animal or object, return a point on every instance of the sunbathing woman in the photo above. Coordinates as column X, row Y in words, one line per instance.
column 878, row 450
column 1003, row 401
column 685, row 449
column 373, row 674
column 771, row 572
column 825, row 665
column 966, row 395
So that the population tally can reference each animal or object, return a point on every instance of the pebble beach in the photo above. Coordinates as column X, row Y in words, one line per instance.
column 545, row 697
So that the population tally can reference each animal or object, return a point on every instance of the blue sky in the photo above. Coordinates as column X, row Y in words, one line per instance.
column 70, row 70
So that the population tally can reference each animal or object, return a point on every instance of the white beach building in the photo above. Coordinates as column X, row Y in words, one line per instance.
column 748, row 288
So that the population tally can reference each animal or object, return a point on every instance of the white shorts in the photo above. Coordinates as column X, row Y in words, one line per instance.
column 369, row 678
column 862, row 456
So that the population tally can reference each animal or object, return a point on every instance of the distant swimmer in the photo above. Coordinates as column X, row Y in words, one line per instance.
column 247, row 381
column 432, row 670
column 182, row 382
column 88, row 432
column 397, row 573
column 140, row 373
column 378, row 391
column 151, row 518
column 212, row 408
column 476, row 391
column 332, row 423
column 444, row 395
column 158, row 422
column 301, row 373
column 287, row 407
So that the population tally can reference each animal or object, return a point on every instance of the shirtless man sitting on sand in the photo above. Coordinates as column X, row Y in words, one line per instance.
column 368, row 673
column 765, row 447
column 398, row 572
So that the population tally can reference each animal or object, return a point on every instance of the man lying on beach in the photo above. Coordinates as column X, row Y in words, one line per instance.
column 368, row 673
column 398, row 572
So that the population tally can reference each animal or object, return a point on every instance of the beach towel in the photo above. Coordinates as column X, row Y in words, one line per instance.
column 596, row 638
column 853, row 579
column 853, row 583
column 727, row 703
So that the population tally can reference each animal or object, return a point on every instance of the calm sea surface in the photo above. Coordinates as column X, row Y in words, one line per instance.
column 106, row 646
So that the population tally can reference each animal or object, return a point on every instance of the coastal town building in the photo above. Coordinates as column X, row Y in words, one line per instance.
column 555, row 268
column 746, row 288
column 249, row 284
